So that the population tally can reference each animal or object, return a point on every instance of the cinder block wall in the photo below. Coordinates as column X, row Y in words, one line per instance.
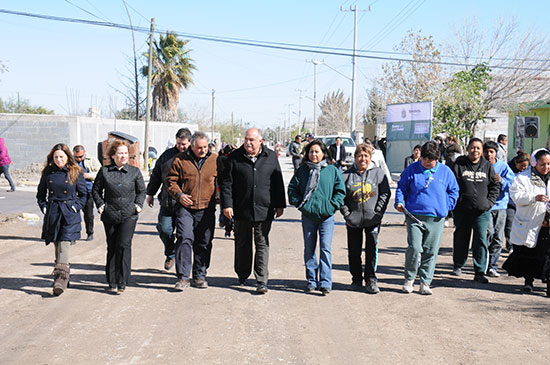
column 30, row 137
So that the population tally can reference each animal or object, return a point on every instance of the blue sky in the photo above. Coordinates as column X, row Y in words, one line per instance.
column 66, row 66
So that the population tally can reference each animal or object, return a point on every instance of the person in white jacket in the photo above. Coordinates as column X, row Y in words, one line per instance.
column 530, row 229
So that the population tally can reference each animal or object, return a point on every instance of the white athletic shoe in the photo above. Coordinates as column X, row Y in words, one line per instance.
column 408, row 286
column 425, row 289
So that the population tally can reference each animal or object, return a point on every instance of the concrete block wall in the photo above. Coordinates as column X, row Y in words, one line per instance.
column 30, row 137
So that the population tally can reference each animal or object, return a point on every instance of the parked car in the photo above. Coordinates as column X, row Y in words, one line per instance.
column 346, row 141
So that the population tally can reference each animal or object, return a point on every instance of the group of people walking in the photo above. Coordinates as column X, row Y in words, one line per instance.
column 248, row 185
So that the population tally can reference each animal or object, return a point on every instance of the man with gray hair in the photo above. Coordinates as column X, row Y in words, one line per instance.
column 192, row 183
column 253, row 193
column 167, row 214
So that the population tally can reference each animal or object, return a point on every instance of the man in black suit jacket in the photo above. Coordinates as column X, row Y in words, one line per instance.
column 338, row 153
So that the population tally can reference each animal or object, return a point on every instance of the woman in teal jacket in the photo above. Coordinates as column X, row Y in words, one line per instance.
column 317, row 190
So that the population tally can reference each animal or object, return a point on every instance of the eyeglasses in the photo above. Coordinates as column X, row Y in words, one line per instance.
column 430, row 179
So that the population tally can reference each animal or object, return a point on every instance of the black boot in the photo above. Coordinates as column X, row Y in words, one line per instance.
column 61, row 274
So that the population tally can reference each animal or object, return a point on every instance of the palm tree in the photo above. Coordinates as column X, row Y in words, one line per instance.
column 172, row 71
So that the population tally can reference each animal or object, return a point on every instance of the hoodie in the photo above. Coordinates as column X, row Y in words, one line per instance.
column 478, row 188
column 4, row 156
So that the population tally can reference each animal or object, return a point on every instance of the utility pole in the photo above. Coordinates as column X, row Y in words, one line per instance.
column 354, row 71
column 213, row 91
column 148, row 103
column 315, row 63
column 232, row 128
column 288, row 118
column 300, row 108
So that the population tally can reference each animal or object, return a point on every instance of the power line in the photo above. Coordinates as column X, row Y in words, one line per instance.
column 257, row 43
column 84, row 10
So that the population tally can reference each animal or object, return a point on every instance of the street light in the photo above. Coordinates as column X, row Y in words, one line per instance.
column 315, row 63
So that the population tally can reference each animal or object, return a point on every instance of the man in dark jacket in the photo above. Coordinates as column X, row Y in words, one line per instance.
column 338, row 154
column 167, row 213
column 192, row 182
column 479, row 189
column 253, row 193
column 295, row 151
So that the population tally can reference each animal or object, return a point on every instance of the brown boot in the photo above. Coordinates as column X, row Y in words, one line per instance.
column 61, row 275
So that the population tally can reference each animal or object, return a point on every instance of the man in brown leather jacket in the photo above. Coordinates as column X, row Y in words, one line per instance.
column 192, row 182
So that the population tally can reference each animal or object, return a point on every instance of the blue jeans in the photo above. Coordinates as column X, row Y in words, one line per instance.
column 166, row 226
column 495, row 236
column 5, row 170
column 318, row 274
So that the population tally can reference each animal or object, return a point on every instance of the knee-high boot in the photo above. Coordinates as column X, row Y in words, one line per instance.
column 61, row 274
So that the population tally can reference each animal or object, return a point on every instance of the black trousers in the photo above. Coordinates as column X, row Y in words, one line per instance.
column 88, row 211
column 355, row 247
column 244, row 232
column 119, row 250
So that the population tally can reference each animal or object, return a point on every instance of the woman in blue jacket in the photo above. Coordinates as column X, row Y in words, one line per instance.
column 428, row 190
column 61, row 195
column 318, row 191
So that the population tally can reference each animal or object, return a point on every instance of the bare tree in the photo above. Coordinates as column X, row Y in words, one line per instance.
column 520, row 60
column 334, row 113
column 403, row 81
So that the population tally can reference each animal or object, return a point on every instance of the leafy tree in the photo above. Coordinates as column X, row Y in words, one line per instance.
column 334, row 113
column 376, row 107
column 172, row 71
column 462, row 103
column 21, row 106
column 405, row 81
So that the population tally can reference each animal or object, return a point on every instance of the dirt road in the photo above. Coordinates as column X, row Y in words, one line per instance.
column 462, row 323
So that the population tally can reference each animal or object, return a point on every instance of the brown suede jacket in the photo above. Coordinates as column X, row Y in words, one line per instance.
column 185, row 177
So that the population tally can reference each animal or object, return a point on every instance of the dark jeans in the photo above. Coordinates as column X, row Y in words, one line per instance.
column 166, row 226
column 355, row 248
column 119, row 250
column 194, row 232
column 88, row 211
column 296, row 163
column 244, row 231
column 5, row 169
column 467, row 221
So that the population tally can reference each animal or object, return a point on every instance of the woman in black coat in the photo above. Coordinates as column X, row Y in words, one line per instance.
column 61, row 194
column 119, row 193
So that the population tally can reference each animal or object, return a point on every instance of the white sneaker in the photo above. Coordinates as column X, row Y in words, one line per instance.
column 446, row 224
column 493, row 273
column 425, row 289
column 408, row 286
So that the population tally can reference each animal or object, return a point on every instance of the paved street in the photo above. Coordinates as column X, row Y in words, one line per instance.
column 462, row 323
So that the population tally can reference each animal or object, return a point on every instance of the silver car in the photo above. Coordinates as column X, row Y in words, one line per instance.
column 348, row 143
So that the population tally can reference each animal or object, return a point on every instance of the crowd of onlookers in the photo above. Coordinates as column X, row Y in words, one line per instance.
column 495, row 204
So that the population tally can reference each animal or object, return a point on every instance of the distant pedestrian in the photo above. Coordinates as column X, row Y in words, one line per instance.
column 295, row 151
column 478, row 192
column 530, row 235
column 119, row 193
column 367, row 196
column 428, row 190
column 338, row 154
column 166, row 223
column 253, row 194
column 5, row 163
column 409, row 160
column 317, row 190
column 90, row 166
column 223, row 160
column 495, row 229
column 192, row 182
column 61, row 194
column 379, row 160
column 502, row 153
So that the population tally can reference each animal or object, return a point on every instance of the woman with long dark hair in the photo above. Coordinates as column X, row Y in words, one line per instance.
column 317, row 190
column 61, row 195
column 530, row 230
column 119, row 193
